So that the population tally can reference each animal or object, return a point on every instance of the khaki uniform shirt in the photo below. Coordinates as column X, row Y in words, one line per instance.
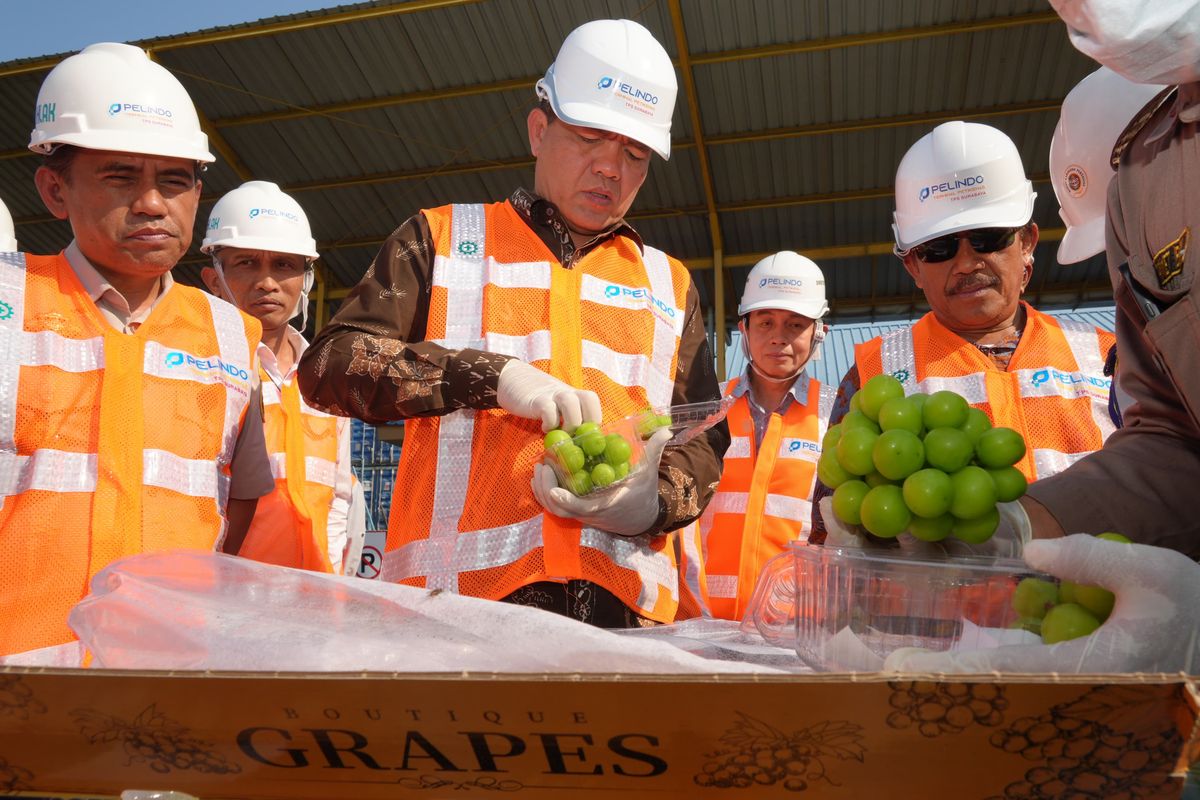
column 1144, row 481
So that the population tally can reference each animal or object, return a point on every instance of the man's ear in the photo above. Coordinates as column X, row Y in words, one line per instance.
column 209, row 276
column 913, row 269
column 50, row 187
column 536, row 123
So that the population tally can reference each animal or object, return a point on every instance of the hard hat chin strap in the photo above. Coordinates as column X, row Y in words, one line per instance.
column 226, row 292
column 814, row 354
column 301, row 308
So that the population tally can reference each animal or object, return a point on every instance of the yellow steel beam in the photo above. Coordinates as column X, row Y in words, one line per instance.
column 815, row 129
column 744, row 54
column 706, row 180
column 877, row 37
column 413, row 175
column 296, row 112
column 897, row 121
column 254, row 30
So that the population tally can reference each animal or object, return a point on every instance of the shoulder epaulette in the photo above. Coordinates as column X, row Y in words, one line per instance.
column 1139, row 121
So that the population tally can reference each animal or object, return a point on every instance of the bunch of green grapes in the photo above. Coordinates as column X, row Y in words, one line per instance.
column 587, row 459
column 927, row 464
column 650, row 421
column 1063, row 611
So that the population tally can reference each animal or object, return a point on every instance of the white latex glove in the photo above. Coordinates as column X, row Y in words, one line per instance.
column 1008, row 541
column 528, row 392
column 628, row 509
column 1153, row 626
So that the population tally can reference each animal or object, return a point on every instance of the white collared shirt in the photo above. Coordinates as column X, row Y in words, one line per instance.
column 762, row 416
column 111, row 303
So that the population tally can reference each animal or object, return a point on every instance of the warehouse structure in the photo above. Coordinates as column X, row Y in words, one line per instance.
column 793, row 115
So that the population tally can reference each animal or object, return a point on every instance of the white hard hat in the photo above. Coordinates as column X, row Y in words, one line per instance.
column 8, row 233
column 111, row 96
column 613, row 75
column 959, row 176
column 259, row 216
column 1093, row 115
column 786, row 281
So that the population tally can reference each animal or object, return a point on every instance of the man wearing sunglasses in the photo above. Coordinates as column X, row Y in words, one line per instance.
column 964, row 232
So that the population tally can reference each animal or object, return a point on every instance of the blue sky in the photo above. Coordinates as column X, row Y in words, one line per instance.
column 39, row 29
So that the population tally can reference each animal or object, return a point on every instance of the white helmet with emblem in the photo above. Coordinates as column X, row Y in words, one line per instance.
column 613, row 75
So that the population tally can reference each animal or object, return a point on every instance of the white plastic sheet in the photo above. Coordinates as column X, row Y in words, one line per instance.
column 204, row 611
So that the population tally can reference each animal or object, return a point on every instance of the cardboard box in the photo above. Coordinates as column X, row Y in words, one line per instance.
column 226, row 735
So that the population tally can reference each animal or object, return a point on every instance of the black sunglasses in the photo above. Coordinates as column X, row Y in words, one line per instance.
column 982, row 240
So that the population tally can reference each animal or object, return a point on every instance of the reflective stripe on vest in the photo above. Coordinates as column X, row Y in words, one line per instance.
column 1083, row 380
column 740, row 533
column 462, row 276
column 52, row 470
column 316, row 470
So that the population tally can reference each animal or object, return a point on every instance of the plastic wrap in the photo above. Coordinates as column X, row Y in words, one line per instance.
column 203, row 611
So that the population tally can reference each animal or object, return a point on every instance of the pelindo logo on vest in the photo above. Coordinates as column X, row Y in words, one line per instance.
column 175, row 358
column 1068, row 378
column 612, row 290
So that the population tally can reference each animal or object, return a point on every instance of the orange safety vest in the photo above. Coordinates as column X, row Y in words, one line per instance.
column 465, row 518
column 111, row 444
column 764, row 499
column 290, row 526
column 1054, row 391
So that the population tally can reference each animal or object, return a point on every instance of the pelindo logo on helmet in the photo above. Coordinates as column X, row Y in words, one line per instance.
column 604, row 83
column 214, row 223
column 275, row 213
column 135, row 108
column 950, row 187
column 781, row 282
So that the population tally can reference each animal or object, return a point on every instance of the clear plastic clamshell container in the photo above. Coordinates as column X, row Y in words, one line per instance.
column 847, row 609
column 687, row 420
column 577, row 460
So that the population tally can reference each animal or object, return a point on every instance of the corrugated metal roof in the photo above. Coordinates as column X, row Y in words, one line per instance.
column 837, row 351
column 805, row 107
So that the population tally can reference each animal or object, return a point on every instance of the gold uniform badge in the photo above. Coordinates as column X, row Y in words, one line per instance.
column 1168, row 262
